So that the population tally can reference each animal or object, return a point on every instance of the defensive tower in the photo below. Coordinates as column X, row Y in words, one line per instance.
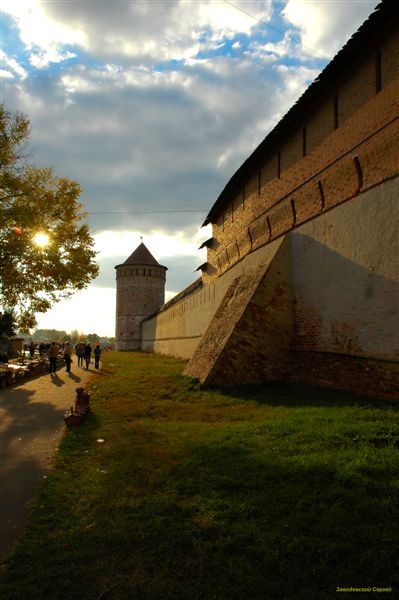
column 140, row 291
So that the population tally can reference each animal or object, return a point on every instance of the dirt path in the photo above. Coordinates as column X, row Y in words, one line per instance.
column 31, row 427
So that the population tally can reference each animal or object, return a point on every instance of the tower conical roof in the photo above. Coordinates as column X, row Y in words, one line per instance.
column 141, row 256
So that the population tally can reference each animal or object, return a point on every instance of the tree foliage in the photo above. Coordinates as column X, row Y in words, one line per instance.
column 74, row 336
column 7, row 324
column 48, row 335
column 33, row 200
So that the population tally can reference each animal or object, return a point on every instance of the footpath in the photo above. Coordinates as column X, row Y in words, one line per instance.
column 31, row 428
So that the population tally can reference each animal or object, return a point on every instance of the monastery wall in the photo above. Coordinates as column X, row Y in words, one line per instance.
column 318, row 305
column 302, row 276
column 345, row 277
column 345, row 281
column 347, row 144
column 178, row 328
column 249, row 337
column 321, row 306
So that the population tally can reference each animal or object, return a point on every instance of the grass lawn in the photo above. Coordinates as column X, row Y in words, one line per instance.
column 263, row 492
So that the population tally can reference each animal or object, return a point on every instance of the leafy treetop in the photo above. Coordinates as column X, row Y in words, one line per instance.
column 33, row 200
column 7, row 324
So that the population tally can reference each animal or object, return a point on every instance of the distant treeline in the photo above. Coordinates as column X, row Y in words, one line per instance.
column 48, row 335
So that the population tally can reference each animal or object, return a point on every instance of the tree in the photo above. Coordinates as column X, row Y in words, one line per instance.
column 74, row 336
column 48, row 335
column 93, row 338
column 34, row 201
column 7, row 324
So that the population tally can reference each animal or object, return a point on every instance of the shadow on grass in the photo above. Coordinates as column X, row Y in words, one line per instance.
column 26, row 433
column 84, row 434
column 299, row 395
column 265, row 509
column 218, row 522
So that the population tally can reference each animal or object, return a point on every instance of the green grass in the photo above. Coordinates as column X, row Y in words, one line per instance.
column 261, row 492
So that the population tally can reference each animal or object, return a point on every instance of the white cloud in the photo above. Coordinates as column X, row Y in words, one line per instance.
column 161, row 30
column 285, row 48
column 13, row 64
column 6, row 74
column 41, row 60
column 295, row 80
column 175, row 29
column 225, row 19
column 326, row 25
column 160, row 243
column 42, row 35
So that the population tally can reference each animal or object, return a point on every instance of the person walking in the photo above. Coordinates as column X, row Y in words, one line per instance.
column 68, row 357
column 87, row 355
column 53, row 354
column 97, row 354
column 80, row 352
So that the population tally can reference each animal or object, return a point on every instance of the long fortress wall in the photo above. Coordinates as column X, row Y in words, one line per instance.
column 301, row 280
column 178, row 328
column 317, row 305
column 361, row 153
column 346, row 279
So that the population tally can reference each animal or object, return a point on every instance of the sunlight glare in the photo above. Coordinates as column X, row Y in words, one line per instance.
column 41, row 239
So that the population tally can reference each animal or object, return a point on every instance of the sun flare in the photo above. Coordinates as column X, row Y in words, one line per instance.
column 41, row 239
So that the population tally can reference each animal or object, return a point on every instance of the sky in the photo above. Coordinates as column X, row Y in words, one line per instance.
column 152, row 105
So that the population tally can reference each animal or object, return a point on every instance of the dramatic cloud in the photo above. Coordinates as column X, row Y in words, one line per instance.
column 325, row 25
column 153, row 105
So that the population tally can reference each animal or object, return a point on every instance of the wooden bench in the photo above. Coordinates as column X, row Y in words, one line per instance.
column 78, row 411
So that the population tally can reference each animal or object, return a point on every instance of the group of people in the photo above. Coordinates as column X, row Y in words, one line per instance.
column 43, row 348
column 83, row 352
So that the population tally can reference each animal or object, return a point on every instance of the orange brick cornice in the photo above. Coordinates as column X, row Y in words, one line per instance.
column 361, row 154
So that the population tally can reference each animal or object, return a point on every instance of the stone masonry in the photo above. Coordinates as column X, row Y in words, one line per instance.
column 140, row 291
column 301, row 281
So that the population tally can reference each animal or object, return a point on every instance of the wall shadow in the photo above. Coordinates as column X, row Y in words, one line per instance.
column 28, row 437
column 350, row 308
column 301, row 395
column 226, row 522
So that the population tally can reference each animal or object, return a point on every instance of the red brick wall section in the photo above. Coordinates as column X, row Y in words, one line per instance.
column 358, row 89
column 221, row 326
column 360, row 375
column 309, row 201
column 307, row 327
column 258, row 349
column 249, row 336
column 378, row 161
column 368, row 127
